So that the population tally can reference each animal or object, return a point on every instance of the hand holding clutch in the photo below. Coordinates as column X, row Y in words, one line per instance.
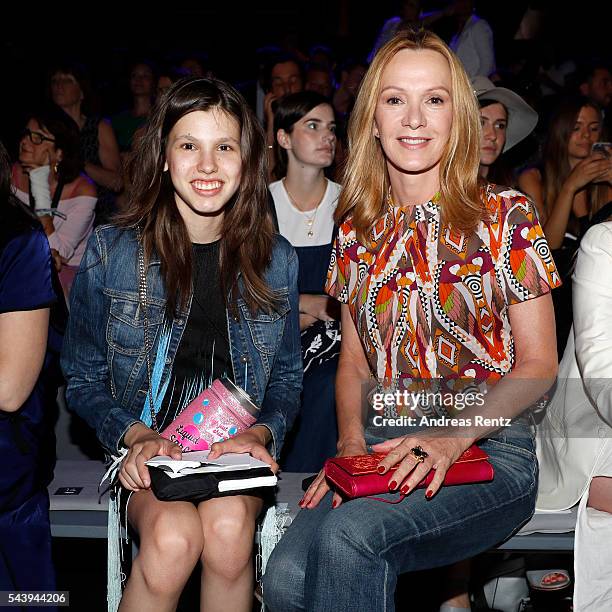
column 358, row 476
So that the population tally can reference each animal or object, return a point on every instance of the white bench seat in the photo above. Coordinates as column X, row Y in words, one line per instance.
column 83, row 514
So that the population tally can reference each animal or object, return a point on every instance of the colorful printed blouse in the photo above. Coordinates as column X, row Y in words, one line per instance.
column 428, row 302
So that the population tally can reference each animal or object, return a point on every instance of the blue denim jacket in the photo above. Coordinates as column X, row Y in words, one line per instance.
column 104, row 360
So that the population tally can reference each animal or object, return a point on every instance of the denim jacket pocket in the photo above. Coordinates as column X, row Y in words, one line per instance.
column 266, row 328
column 125, row 328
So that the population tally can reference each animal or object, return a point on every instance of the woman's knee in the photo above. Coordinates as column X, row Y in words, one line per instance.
column 229, row 532
column 340, row 537
column 170, row 548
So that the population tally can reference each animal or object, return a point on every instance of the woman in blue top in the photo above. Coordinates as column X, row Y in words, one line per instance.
column 29, row 348
column 221, row 300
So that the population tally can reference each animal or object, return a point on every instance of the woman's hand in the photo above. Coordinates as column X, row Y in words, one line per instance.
column 319, row 487
column 318, row 306
column 27, row 167
column 143, row 443
column 593, row 169
column 58, row 260
column 252, row 441
column 47, row 222
column 306, row 321
column 269, row 99
column 443, row 448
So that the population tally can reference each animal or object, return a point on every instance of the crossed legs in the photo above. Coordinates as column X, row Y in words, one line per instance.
column 174, row 536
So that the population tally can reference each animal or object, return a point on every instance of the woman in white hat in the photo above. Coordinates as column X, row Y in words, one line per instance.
column 506, row 120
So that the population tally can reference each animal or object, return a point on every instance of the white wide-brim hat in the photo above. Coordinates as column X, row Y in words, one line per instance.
column 521, row 117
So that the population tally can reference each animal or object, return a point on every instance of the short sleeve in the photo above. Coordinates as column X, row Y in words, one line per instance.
column 528, row 267
column 339, row 278
column 25, row 273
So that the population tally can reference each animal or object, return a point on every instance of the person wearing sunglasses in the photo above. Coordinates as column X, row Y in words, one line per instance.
column 48, row 178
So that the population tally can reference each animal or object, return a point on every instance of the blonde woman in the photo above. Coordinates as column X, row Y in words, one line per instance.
column 439, row 279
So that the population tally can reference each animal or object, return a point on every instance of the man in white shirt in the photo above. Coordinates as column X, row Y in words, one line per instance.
column 473, row 40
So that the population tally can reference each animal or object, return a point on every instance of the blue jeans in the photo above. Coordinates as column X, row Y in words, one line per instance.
column 349, row 558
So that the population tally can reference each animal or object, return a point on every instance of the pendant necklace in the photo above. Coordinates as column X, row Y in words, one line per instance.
column 309, row 220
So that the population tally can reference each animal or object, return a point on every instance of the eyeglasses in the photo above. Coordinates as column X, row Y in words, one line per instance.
column 36, row 137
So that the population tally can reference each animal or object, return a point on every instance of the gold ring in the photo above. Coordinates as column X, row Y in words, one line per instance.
column 419, row 454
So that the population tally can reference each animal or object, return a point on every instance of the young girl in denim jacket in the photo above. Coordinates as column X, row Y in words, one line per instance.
column 221, row 301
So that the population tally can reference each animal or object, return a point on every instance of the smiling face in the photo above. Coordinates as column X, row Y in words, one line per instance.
column 312, row 140
column 35, row 155
column 587, row 130
column 494, row 121
column 204, row 161
column 414, row 112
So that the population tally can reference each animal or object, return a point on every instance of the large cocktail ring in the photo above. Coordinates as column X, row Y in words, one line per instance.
column 419, row 454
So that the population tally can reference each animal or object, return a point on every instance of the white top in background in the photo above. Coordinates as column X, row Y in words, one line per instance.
column 293, row 223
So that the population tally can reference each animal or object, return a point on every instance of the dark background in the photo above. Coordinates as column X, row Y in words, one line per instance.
column 107, row 37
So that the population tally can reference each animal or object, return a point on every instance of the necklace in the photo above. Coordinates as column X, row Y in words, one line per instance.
column 309, row 219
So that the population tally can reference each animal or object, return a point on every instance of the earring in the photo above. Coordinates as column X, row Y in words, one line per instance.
column 56, row 167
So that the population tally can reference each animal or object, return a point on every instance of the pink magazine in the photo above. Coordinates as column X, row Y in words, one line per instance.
column 219, row 412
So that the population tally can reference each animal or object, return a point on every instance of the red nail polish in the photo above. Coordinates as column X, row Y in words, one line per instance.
column 404, row 490
column 380, row 469
column 334, row 503
column 429, row 494
column 392, row 485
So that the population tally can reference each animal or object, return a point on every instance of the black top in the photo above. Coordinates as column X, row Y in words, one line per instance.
column 89, row 142
column 203, row 353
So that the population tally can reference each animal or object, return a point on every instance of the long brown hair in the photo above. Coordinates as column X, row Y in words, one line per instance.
column 366, row 179
column 556, row 158
column 247, row 230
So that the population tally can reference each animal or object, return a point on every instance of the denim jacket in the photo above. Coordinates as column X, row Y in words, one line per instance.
column 104, row 359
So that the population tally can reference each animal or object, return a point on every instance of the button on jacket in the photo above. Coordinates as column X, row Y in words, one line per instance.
column 104, row 358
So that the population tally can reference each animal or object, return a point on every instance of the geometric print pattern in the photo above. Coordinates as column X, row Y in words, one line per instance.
column 430, row 302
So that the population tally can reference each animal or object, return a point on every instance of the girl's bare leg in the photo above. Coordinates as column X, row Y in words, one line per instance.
column 171, row 542
column 228, row 524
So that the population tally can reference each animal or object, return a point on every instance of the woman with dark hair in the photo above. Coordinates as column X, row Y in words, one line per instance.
column 304, row 203
column 444, row 284
column 99, row 151
column 221, row 301
column 47, row 178
column 29, row 349
column 571, row 186
column 506, row 119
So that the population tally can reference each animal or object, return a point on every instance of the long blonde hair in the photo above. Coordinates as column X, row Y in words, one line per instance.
column 366, row 179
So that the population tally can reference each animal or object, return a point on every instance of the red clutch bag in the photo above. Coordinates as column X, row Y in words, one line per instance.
column 357, row 476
